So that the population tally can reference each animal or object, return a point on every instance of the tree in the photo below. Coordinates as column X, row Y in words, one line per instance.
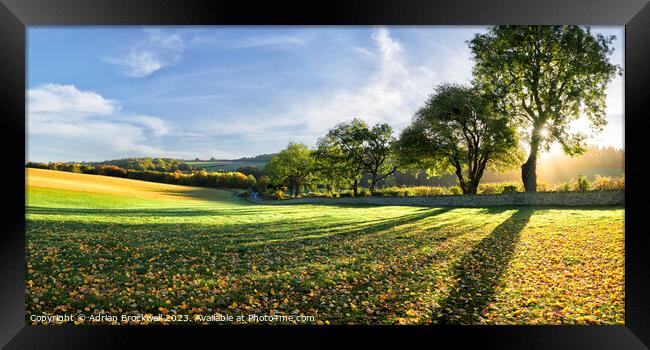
column 340, row 151
column 262, row 184
column 545, row 76
column 352, row 148
column 377, row 153
column 293, row 166
column 329, row 171
column 457, row 130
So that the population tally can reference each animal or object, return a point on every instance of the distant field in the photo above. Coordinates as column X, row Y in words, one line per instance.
column 226, row 165
column 96, row 245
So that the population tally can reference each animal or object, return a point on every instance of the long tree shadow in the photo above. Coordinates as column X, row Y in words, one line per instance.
column 141, row 212
column 322, row 234
column 479, row 272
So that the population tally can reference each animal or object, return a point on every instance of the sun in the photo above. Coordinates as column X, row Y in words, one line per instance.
column 544, row 133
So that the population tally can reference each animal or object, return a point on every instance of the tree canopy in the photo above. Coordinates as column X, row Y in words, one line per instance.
column 340, row 150
column 292, row 167
column 458, row 131
column 354, row 148
column 545, row 77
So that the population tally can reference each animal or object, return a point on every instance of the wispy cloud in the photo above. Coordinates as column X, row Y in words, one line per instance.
column 390, row 94
column 158, row 49
column 269, row 40
column 250, row 41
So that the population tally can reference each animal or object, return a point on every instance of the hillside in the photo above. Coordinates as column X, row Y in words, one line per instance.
column 64, row 189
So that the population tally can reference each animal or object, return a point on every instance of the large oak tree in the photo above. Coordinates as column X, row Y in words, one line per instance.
column 458, row 131
column 545, row 77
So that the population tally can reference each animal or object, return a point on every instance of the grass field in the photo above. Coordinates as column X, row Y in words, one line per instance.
column 108, row 245
column 226, row 165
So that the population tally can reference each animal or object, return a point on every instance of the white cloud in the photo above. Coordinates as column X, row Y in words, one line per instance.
column 138, row 63
column 157, row 126
column 86, row 126
column 67, row 100
column 157, row 50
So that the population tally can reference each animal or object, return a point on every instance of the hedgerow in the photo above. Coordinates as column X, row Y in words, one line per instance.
column 201, row 178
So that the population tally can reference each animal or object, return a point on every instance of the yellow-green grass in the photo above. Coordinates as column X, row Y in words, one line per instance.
column 109, row 245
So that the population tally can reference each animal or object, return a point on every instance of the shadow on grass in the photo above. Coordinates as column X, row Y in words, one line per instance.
column 322, row 234
column 479, row 272
column 155, row 212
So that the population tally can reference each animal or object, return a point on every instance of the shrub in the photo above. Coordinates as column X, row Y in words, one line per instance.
column 364, row 192
column 583, row 184
column 509, row 189
column 278, row 194
column 318, row 194
column 499, row 187
column 488, row 188
column 543, row 187
column 563, row 187
column 348, row 193
column 455, row 190
column 605, row 183
column 437, row 191
column 251, row 180
column 263, row 184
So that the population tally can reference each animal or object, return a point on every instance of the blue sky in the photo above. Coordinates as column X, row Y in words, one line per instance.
column 97, row 93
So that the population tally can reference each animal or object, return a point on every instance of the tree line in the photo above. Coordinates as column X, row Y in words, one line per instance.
column 148, row 163
column 529, row 83
column 198, row 178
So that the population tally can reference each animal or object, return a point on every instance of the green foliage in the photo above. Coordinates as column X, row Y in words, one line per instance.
column 251, row 180
column 499, row 187
column 455, row 190
column 37, row 165
column 365, row 192
column 564, row 186
column 582, row 184
column 293, row 167
column 544, row 77
column 353, row 148
column 263, row 184
column 458, row 130
column 251, row 170
column 151, row 164
column 510, row 189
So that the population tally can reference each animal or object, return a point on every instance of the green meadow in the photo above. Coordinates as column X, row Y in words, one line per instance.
column 112, row 246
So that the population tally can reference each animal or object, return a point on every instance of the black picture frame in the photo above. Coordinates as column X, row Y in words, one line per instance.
column 16, row 15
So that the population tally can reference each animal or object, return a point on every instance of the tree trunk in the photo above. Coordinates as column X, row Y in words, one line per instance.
column 374, row 181
column 528, row 169
column 355, row 187
column 472, row 187
column 461, row 180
